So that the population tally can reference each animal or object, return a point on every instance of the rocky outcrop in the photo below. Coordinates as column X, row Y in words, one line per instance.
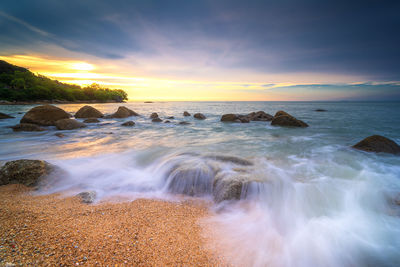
column 87, row 197
column 123, row 112
column 45, row 115
column 282, row 118
column 186, row 114
column 153, row 115
column 69, row 124
column 259, row 116
column 91, row 120
column 378, row 143
column 128, row 123
column 24, row 171
column 27, row 127
column 156, row 120
column 234, row 118
column 88, row 112
column 5, row 116
column 199, row 116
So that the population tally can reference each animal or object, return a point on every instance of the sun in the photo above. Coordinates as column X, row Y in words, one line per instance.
column 82, row 66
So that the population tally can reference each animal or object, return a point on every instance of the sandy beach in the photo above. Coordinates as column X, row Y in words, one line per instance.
column 54, row 230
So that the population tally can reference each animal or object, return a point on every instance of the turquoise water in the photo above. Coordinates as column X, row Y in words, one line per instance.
column 321, row 203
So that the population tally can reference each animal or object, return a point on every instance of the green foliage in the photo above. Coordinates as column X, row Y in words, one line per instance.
column 26, row 86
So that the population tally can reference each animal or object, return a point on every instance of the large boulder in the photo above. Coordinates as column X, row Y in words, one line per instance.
column 282, row 118
column 199, row 116
column 27, row 127
column 45, row 115
column 24, row 171
column 88, row 112
column 191, row 178
column 377, row 143
column 69, row 124
column 5, row 116
column 123, row 112
column 260, row 116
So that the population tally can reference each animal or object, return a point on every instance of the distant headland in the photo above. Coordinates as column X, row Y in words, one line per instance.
column 18, row 85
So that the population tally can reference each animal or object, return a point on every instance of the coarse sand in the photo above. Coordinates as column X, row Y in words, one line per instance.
column 52, row 230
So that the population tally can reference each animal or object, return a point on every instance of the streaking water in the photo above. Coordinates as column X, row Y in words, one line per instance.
column 321, row 203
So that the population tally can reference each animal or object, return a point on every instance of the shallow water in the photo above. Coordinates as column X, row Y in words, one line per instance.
column 320, row 202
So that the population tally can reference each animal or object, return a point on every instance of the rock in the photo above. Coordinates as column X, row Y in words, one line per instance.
column 91, row 120
column 5, row 116
column 87, row 197
column 320, row 110
column 69, row 124
column 60, row 135
column 27, row 127
column 128, row 123
column 88, row 112
column 191, row 178
column 153, row 115
column 377, row 143
column 148, row 102
column 25, row 171
column 167, row 121
column 156, row 120
column 45, row 115
column 259, row 116
column 170, row 117
column 231, row 159
column 199, row 116
column 123, row 112
column 231, row 186
column 186, row 114
column 282, row 118
column 184, row 123
column 234, row 118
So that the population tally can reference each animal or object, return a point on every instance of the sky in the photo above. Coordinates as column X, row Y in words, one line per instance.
column 211, row 50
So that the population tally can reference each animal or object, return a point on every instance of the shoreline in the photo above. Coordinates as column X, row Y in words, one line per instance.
column 44, row 102
column 56, row 230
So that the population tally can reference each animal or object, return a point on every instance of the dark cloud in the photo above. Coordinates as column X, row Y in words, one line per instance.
column 339, row 37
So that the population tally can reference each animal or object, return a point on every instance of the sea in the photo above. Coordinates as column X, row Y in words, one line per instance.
column 317, row 201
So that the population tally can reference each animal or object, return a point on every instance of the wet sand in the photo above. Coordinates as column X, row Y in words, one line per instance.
column 53, row 230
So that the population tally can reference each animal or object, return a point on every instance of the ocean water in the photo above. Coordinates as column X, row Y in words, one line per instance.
column 318, row 201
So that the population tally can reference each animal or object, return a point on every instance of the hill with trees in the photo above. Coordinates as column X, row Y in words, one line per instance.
column 19, row 84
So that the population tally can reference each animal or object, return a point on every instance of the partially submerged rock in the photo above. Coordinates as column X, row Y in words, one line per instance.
column 69, row 124
column 378, row 143
column 199, row 116
column 59, row 135
column 186, row 114
column 231, row 159
column 156, row 120
column 88, row 112
column 123, row 112
column 91, row 120
column 234, row 118
column 282, row 118
column 45, row 115
column 5, row 116
column 87, row 197
column 153, row 115
column 229, row 187
column 27, row 127
column 170, row 117
column 320, row 110
column 259, row 116
column 25, row 171
column 167, row 121
column 184, row 123
column 128, row 123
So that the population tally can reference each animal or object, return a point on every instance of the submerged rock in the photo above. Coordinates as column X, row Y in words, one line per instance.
column 91, row 120
column 87, row 197
column 282, row 118
column 60, row 135
column 378, row 143
column 186, row 114
column 45, row 115
column 69, row 124
column 27, row 127
column 128, row 123
column 123, row 112
column 184, row 123
column 229, row 187
column 320, row 110
column 156, row 120
column 167, row 121
column 5, row 116
column 25, row 171
column 231, row 159
column 88, row 112
column 170, row 117
column 199, row 116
